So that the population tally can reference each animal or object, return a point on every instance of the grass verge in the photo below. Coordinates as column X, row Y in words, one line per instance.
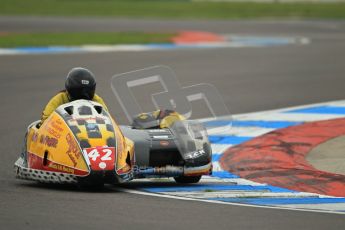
column 73, row 39
column 182, row 9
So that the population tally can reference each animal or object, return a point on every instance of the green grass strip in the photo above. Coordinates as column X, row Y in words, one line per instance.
column 75, row 39
column 181, row 9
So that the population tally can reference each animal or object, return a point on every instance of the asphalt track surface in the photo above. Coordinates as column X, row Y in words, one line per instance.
column 249, row 79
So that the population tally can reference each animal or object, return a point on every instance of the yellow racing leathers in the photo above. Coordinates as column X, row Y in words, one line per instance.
column 157, row 119
column 62, row 98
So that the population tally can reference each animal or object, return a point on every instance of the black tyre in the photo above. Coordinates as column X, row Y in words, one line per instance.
column 93, row 182
column 91, row 186
column 187, row 179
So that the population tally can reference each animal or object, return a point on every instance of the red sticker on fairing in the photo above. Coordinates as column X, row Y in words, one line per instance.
column 101, row 158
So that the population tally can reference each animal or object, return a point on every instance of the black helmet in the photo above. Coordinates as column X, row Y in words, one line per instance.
column 80, row 84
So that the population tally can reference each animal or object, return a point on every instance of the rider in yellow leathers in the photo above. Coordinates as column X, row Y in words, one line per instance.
column 80, row 84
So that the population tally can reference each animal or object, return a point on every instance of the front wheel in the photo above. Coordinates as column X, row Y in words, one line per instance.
column 187, row 179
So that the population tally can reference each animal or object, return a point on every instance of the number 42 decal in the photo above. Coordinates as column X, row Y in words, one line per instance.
column 94, row 154
column 101, row 158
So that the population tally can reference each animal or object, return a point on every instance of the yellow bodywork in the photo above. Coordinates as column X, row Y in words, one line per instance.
column 58, row 147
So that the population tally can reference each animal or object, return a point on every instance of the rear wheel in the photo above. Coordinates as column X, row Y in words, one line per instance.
column 187, row 179
column 91, row 186
column 93, row 182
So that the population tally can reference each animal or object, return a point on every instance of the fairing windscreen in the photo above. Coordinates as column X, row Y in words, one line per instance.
column 191, row 139
column 89, row 122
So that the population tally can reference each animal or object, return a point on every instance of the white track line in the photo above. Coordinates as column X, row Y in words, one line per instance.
column 227, row 203
column 281, row 110
column 296, row 117
column 245, row 131
column 219, row 148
